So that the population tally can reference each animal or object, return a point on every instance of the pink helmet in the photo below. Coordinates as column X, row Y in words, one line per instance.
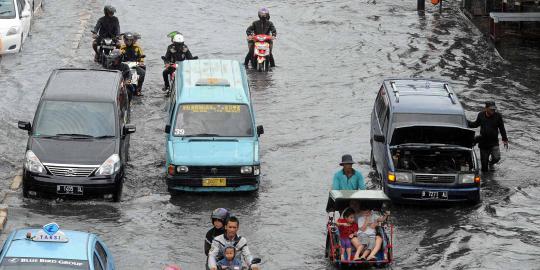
column 172, row 267
column 264, row 12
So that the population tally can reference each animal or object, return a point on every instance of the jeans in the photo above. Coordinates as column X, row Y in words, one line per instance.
column 485, row 153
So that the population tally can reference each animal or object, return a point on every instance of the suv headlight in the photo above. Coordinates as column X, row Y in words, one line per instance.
column 402, row 177
column 467, row 178
column 246, row 169
column 110, row 166
column 12, row 31
column 32, row 163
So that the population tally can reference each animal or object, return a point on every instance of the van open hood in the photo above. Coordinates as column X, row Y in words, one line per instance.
column 433, row 135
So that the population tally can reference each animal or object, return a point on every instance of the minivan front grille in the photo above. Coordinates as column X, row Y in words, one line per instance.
column 435, row 178
column 209, row 171
column 71, row 170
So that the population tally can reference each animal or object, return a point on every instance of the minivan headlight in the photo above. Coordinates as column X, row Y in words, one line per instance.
column 182, row 169
column 402, row 177
column 12, row 31
column 110, row 166
column 246, row 169
column 466, row 178
column 32, row 163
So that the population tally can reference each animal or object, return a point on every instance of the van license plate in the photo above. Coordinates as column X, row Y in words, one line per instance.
column 70, row 190
column 438, row 195
column 214, row 182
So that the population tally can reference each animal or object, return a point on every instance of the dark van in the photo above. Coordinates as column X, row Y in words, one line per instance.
column 79, row 140
column 422, row 149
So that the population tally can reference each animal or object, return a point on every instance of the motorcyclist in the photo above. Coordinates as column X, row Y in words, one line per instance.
column 260, row 27
column 230, row 237
column 132, row 52
column 116, row 64
column 218, row 217
column 107, row 26
column 176, row 52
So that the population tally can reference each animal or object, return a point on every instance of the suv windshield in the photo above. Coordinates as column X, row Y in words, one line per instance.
column 16, row 263
column 216, row 120
column 7, row 9
column 405, row 119
column 87, row 119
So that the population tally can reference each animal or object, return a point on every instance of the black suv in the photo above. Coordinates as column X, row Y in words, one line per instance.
column 421, row 147
column 79, row 139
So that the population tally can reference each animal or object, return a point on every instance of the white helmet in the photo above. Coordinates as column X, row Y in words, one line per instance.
column 178, row 38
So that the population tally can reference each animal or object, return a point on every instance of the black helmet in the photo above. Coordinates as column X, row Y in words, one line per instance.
column 129, row 36
column 221, row 214
column 109, row 9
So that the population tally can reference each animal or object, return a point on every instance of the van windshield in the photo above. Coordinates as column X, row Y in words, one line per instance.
column 7, row 9
column 406, row 119
column 215, row 120
column 91, row 119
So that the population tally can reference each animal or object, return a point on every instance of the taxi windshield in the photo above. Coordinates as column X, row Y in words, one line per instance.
column 213, row 120
column 7, row 9
column 18, row 263
column 90, row 119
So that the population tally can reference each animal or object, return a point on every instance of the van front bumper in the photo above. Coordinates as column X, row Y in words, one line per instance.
column 403, row 193
column 92, row 186
column 234, row 184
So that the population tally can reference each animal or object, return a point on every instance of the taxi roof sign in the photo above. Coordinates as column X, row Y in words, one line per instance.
column 213, row 82
column 50, row 233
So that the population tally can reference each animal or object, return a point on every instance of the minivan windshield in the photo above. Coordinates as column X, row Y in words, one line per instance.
column 406, row 119
column 215, row 120
column 7, row 9
column 90, row 119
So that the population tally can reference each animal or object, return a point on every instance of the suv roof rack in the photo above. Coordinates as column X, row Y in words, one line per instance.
column 447, row 92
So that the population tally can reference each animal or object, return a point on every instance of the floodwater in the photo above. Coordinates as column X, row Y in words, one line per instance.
column 315, row 106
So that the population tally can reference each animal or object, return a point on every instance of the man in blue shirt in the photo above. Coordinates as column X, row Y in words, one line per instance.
column 348, row 178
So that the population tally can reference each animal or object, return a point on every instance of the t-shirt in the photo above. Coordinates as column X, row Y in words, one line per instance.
column 345, row 231
column 372, row 219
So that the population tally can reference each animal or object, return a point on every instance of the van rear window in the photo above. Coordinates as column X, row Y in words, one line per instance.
column 215, row 120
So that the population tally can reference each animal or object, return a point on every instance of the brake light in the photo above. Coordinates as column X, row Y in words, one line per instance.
column 477, row 179
column 171, row 169
column 391, row 177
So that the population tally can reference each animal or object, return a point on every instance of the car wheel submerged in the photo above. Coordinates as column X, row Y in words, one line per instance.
column 117, row 196
column 25, row 191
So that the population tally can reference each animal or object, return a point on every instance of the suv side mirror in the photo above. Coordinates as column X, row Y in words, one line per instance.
column 168, row 129
column 129, row 128
column 260, row 130
column 379, row 138
column 24, row 125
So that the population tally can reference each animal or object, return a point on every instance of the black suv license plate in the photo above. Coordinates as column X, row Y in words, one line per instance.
column 69, row 189
column 438, row 195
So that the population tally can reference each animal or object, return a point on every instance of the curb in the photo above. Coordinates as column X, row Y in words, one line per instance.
column 3, row 216
column 15, row 185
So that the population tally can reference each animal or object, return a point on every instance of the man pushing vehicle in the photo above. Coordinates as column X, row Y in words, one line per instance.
column 231, row 238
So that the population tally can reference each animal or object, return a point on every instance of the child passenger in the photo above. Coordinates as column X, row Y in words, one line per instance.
column 229, row 261
column 369, row 240
column 347, row 230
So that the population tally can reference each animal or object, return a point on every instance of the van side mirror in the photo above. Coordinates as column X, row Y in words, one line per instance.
column 168, row 129
column 129, row 128
column 256, row 261
column 24, row 125
column 379, row 138
column 260, row 130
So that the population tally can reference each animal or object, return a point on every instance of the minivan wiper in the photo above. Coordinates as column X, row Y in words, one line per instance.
column 105, row 137
column 75, row 135
column 202, row 135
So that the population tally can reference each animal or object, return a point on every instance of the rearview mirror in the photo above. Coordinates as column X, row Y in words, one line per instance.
column 24, row 125
column 129, row 128
column 168, row 129
column 379, row 138
column 260, row 130
column 256, row 261
column 142, row 56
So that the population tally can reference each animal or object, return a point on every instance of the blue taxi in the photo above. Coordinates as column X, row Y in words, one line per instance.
column 212, row 139
column 53, row 249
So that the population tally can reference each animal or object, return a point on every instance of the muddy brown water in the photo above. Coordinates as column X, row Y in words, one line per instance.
column 315, row 106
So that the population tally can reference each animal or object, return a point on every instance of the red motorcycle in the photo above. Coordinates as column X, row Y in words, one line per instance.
column 261, row 52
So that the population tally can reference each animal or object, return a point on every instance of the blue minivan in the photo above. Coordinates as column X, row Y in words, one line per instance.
column 212, row 139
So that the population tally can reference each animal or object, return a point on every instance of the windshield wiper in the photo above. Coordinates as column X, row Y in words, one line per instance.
column 105, row 137
column 75, row 135
column 202, row 135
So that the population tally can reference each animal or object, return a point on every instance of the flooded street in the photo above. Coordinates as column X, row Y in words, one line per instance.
column 315, row 106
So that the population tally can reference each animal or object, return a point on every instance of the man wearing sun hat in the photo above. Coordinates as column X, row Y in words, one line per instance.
column 490, row 122
column 348, row 178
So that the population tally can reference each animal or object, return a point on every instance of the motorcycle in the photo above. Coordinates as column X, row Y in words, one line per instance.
column 254, row 261
column 171, row 76
column 134, row 76
column 105, row 46
column 261, row 52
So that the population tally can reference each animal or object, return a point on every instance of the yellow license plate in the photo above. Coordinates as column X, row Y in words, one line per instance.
column 214, row 182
